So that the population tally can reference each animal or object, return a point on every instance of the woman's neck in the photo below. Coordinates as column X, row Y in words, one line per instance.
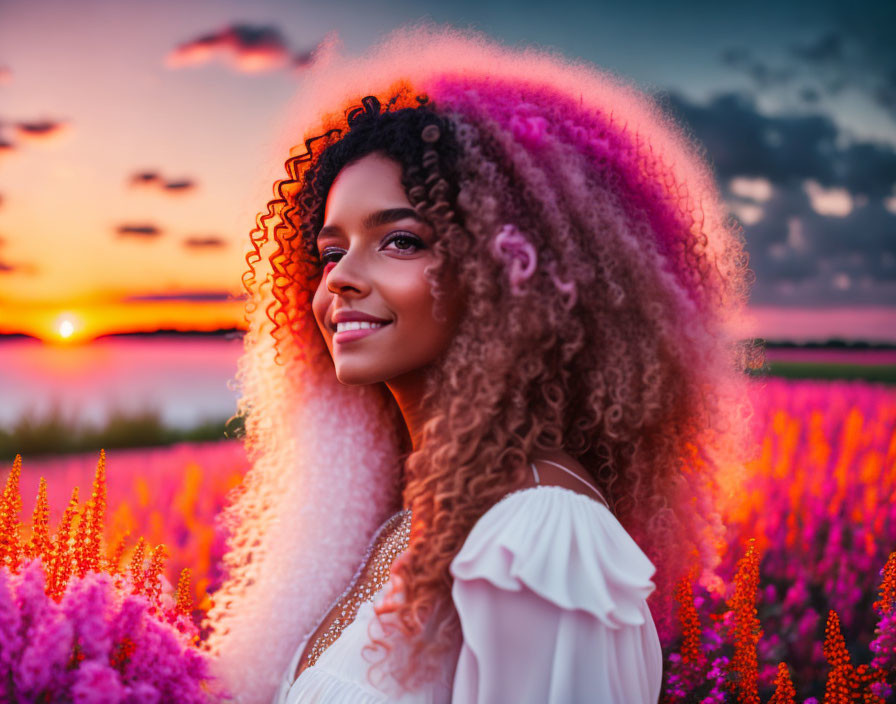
column 408, row 393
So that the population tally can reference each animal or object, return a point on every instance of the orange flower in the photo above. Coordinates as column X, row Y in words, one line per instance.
column 746, row 627
column 10, row 506
column 690, row 623
column 184, row 597
column 60, row 569
column 39, row 545
column 784, row 691
column 887, row 601
column 842, row 682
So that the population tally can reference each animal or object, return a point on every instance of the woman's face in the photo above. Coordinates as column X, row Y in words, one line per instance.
column 375, row 250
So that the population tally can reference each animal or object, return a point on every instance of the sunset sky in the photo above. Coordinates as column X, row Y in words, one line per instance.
column 138, row 140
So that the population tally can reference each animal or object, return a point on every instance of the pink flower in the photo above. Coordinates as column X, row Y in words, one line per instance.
column 97, row 683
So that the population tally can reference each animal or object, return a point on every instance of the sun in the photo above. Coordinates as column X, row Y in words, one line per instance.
column 67, row 327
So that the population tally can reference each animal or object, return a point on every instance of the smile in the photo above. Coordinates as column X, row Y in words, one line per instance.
column 348, row 332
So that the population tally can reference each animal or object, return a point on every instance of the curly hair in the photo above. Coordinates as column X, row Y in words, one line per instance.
column 587, row 236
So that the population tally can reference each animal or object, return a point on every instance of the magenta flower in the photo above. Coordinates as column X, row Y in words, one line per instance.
column 100, row 643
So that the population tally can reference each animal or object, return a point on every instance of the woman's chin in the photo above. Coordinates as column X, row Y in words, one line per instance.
column 356, row 377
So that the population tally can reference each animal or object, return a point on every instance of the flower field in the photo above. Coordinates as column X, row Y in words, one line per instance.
column 807, row 608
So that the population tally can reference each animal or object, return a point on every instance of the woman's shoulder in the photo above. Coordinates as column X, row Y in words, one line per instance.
column 565, row 546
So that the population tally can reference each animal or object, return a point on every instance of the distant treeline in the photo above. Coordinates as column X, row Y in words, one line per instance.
column 57, row 433
column 236, row 333
column 832, row 343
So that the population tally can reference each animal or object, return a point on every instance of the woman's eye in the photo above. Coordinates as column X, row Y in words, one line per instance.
column 327, row 256
column 405, row 242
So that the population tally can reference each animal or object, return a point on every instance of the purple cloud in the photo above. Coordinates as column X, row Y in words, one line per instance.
column 247, row 48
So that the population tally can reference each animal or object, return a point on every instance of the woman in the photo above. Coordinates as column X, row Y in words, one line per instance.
column 490, row 384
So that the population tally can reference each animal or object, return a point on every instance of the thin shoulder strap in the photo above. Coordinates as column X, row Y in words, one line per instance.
column 572, row 474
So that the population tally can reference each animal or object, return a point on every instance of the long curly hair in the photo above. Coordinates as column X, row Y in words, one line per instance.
column 604, row 285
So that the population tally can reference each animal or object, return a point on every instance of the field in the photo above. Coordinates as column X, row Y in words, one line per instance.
column 817, row 520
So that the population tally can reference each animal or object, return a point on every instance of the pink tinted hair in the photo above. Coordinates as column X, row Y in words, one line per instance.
column 596, row 248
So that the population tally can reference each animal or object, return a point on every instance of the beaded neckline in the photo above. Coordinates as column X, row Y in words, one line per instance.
column 390, row 540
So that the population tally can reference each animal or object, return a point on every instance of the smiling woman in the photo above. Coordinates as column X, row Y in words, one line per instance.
column 490, row 388
column 374, row 304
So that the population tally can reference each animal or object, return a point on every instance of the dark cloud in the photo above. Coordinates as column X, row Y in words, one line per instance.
column 743, row 142
column 194, row 296
column 204, row 242
column 152, row 179
column 7, row 268
column 303, row 59
column 810, row 95
column 6, row 147
column 857, row 56
column 736, row 57
column 142, row 231
column 178, row 186
column 145, row 178
column 802, row 257
column 828, row 48
column 247, row 48
column 764, row 76
column 41, row 130
column 784, row 148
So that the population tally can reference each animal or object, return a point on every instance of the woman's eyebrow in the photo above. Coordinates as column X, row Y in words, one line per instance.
column 376, row 219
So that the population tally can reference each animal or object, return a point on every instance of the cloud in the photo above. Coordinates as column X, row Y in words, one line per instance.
column 152, row 179
column 765, row 76
column 204, row 242
column 836, row 202
column 179, row 186
column 755, row 189
column 142, row 231
column 247, row 48
column 890, row 202
column 854, row 56
column 40, row 130
column 193, row 296
column 818, row 210
column 6, row 147
column 784, row 149
column 827, row 48
column 145, row 178
column 5, row 74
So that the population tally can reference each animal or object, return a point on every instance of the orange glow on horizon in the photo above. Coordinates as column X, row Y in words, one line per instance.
column 76, row 324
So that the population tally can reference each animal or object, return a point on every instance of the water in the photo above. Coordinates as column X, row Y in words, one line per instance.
column 187, row 380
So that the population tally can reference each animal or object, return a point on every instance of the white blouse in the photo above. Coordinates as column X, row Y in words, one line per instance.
column 551, row 593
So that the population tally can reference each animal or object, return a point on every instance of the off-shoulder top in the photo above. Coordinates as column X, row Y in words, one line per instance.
column 551, row 593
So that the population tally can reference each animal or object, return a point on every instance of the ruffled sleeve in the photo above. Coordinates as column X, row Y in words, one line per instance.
column 551, row 592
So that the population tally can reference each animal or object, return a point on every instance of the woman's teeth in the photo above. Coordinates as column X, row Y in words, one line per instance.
column 358, row 325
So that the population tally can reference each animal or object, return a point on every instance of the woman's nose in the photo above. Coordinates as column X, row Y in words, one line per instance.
column 346, row 275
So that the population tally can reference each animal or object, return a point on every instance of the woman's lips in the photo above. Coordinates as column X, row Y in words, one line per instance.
column 352, row 335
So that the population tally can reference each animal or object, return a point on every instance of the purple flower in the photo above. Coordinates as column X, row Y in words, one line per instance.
column 99, row 644
column 42, row 665
column 10, row 625
column 97, row 683
column 86, row 604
